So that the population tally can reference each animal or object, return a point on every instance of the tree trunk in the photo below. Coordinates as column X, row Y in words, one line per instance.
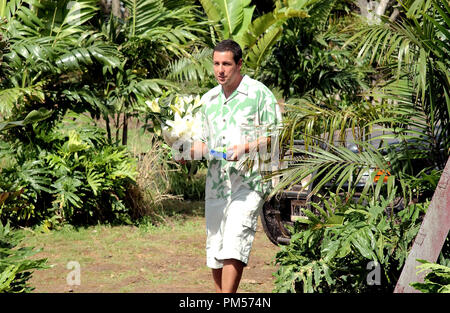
column 381, row 8
column 116, row 8
column 394, row 15
column 125, row 129
column 106, row 9
column 362, row 5
column 372, row 10
column 108, row 128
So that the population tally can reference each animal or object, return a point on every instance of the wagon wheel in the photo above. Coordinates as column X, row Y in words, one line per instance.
column 271, row 221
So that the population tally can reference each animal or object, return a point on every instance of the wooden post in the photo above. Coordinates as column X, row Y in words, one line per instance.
column 431, row 237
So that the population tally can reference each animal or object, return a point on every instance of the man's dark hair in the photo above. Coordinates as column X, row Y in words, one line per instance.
column 230, row 45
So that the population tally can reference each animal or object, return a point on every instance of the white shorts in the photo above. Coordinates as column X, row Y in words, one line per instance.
column 231, row 227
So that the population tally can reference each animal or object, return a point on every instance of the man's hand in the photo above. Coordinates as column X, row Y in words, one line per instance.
column 234, row 153
column 196, row 151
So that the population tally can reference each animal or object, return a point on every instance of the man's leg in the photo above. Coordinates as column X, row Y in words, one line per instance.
column 217, row 277
column 231, row 275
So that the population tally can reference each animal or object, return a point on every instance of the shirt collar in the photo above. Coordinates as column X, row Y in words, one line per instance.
column 242, row 88
column 243, row 85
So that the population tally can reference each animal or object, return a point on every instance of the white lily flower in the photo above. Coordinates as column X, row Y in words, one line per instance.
column 184, row 126
column 188, row 99
column 179, row 104
column 197, row 102
column 153, row 105
column 197, row 128
column 178, row 125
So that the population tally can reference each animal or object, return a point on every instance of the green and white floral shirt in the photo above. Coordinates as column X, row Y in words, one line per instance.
column 250, row 112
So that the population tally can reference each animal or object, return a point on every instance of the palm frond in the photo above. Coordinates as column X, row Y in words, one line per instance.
column 32, row 117
column 416, row 47
column 9, row 97
column 76, row 58
column 196, row 67
column 148, row 15
column 261, row 49
column 76, row 14
column 149, row 87
column 334, row 166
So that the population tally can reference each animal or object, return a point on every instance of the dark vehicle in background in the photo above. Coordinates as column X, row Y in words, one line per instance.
column 285, row 208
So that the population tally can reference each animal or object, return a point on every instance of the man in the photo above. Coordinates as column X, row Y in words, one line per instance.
column 239, row 115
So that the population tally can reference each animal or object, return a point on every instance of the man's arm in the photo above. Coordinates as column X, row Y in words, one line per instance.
column 198, row 150
column 234, row 153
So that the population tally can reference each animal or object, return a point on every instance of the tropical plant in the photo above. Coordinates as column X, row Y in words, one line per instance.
column 154, row 33
column 309, row 59
column 32, row 117
column 234, row 19
column 90, row 177
column 414, row 49
column 61, row 56
column 392, row 137
column 345, row 147
column 390, row 127
column 16, row 268
column 86, row 62
column 49, row 50
column 70, row 172
column 347, row 247
column 437, row 280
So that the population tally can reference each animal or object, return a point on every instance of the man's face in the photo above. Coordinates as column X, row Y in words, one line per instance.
column 227, row 72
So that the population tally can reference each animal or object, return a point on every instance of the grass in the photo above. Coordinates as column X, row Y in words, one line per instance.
column 146, row 258
column 163, row 252
column 119, row 258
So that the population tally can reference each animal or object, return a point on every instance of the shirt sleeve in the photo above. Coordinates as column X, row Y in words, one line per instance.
column 270, row 114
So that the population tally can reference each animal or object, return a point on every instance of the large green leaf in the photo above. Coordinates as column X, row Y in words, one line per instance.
column 196, row 68
column 211, row 10
column 234, row 14
column 76, row 14
column 260, row 50
column 32, row 117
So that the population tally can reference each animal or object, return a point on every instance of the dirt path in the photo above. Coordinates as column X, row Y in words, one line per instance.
column 130, row 259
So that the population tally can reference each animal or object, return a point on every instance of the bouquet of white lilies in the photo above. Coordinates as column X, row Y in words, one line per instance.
column 185, row 125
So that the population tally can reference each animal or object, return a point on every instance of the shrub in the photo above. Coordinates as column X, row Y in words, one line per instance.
column 15, row 269
column 68, row 170
column 437, row 280
column 146, row 197
column 185, row 180
column 340, row 247
column 188, row 180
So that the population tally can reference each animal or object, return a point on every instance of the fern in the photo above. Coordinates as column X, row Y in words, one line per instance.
column 437, row 280
column 198, row 67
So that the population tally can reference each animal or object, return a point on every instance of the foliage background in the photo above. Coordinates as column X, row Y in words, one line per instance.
column 76, row 76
